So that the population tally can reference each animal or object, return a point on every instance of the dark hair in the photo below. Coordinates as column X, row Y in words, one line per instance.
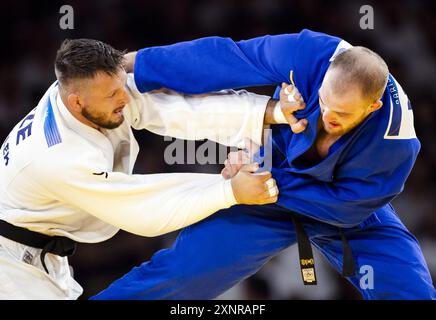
column 83, row 58
column 364, row 68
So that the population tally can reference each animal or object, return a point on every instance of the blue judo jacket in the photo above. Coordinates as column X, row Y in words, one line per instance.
column 363, row 171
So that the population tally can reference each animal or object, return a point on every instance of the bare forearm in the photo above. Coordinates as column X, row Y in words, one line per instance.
column 269, row 112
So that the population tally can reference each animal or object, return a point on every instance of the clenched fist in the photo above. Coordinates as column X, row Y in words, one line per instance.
column 282, row 112
column 254, row 188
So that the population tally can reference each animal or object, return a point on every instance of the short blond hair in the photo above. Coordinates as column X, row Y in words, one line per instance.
column 363, row 68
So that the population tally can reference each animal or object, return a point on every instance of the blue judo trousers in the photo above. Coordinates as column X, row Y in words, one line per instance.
column 348, row 193
column 213, row 255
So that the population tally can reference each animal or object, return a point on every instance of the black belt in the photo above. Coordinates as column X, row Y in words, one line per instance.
column 61, row 246
column 307, row 262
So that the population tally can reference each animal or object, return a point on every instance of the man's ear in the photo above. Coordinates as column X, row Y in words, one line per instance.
column 375, row 106
column 75, row 102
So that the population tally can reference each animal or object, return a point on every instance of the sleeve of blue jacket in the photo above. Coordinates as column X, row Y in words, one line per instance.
column 215, row 63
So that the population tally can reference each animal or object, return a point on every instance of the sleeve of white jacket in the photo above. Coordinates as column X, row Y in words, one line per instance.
column 147, row 205
column 227, row 117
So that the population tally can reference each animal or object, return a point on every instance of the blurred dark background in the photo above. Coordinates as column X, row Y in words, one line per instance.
column 404, row 34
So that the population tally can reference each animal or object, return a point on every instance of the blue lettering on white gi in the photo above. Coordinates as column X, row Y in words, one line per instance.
column 25, row 132
column 5, row 151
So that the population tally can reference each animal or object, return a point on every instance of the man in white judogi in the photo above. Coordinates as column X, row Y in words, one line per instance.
column 66, row 168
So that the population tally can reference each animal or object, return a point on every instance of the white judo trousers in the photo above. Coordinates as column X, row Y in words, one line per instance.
column 60, row 177
column 22, row 275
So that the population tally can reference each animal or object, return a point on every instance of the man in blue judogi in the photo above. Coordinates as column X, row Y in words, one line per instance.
column 336, row 179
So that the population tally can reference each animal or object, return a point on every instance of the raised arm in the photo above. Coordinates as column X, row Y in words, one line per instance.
column 214, row 63
column 228, row 117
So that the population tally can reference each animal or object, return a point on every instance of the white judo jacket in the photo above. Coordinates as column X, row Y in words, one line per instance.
column 61, row 177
